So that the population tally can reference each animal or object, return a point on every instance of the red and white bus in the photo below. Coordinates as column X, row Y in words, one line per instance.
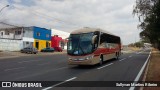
column 89, row 46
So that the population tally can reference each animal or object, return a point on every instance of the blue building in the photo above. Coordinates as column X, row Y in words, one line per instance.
column 42, row 37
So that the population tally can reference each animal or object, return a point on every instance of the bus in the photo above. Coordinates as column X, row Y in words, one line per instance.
column 90, row 46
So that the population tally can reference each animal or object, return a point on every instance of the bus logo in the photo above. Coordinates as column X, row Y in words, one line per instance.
column 6, row 84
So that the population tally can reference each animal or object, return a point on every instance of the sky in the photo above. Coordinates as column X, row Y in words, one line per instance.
column 114, row 16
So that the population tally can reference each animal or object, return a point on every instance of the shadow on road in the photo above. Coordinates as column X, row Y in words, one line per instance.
column 81, row 67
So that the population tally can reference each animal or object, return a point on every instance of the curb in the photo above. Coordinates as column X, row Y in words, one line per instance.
column 27, row 55
column 4, row 57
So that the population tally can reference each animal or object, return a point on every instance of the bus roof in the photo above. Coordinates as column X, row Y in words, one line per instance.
column 87, row 30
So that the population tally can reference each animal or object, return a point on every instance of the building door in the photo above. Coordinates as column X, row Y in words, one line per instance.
column 37, row 45
column 47, row 44
column 62, row 44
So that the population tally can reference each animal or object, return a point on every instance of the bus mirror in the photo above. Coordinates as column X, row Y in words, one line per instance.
column 94, row 39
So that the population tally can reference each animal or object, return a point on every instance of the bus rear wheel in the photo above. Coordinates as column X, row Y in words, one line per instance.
column 117, row 56
column 101, row 60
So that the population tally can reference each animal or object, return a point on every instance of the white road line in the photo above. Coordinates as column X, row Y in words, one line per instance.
column 140, row 72
column 13, row 68
column 64, row 81
column 105, row 66
column 59, row 83
column 130, row 56
column 47, row 88
column 122, row 59
column 71, row 79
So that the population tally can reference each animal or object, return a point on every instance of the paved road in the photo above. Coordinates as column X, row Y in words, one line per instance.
column 55, row 68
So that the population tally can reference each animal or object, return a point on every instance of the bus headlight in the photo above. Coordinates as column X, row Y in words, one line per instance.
column 81, row 59
column 89, row 57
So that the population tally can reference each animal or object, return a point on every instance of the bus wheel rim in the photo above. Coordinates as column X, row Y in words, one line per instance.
column 100, row 61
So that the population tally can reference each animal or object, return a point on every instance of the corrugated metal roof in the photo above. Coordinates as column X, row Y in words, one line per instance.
column 60, row 33
column 88, row 29
column 4, row 25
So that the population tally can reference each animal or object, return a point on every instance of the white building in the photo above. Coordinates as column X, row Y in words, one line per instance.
column 62, row 34
column 14, row 39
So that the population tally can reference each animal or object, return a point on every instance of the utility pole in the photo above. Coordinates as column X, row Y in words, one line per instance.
column 3, row 8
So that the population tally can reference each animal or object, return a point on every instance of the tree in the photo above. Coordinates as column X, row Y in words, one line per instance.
column 148, row 12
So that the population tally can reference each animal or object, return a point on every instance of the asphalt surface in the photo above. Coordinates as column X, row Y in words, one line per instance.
column 55, row 68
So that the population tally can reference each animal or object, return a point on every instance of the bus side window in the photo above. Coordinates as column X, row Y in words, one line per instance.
column 106, row 45
column 96, row 41
column 95, row 46
column 110, row 46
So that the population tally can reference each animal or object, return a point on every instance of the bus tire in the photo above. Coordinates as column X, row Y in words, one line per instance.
column 101, row 60
column 117, row 56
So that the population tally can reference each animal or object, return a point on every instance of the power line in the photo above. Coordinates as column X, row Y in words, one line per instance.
column 45, row 16
column 8, row 24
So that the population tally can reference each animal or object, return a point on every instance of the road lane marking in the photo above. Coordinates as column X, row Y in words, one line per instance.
column 59, row 83
column 71, row 79
column 122, row 59
column 13, row 69
column 47, row 88
column 140, row 72
column 64, row 81
column 130, row 56
column 105, row 66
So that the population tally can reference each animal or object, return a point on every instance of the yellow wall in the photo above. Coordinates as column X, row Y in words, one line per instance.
column 42, row 44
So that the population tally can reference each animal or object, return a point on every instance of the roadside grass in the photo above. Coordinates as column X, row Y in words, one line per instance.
column 134, row 48
column 153, row 73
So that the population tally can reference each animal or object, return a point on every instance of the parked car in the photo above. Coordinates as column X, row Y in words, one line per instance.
column 48, row 49
column 59, row 49
column 29, row 50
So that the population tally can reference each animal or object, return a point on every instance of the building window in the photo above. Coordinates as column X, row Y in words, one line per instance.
column 38, row 34
column 47, row 35
column 17, row 32
column 6, row 32
column 27, row 42
column 1, row 33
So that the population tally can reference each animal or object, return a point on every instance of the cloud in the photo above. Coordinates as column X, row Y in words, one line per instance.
column 17, row 1
column 114, row 16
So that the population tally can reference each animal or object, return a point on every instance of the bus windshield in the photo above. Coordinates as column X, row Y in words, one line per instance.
column 80, row 44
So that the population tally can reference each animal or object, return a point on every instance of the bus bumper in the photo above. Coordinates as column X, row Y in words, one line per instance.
column 91, row 61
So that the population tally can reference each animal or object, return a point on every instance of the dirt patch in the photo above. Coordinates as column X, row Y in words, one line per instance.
column 134, row 48
column 153, row 73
